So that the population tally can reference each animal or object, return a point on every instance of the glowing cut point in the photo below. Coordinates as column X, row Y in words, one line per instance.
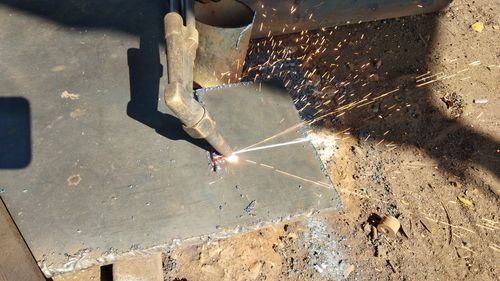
column 232, row 159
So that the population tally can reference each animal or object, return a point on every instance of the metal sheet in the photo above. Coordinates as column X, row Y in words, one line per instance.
column 111, row 172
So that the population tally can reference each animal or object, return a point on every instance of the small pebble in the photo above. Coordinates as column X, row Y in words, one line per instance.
column 478, row 26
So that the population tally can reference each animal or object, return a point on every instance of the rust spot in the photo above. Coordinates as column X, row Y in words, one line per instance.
column 74, row 180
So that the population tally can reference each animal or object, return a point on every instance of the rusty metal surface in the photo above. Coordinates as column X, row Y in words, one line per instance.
column 112, row 173
column 225, row 28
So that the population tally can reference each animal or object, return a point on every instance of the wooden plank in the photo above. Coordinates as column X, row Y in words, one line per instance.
column 16, row 261
column 148, row 268
column 89, row 274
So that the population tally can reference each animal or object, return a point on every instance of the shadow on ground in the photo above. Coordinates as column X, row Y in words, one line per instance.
column 351, row 64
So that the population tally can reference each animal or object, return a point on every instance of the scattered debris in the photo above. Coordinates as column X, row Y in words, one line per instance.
column 454, row 103
column 465, row 202
column 250, row 208
column 478, row 26
column 389, row 226
column 68, row 95
column 323, row 249
column 169, row 263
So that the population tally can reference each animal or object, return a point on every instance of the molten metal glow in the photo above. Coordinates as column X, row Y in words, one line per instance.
column 232, row 159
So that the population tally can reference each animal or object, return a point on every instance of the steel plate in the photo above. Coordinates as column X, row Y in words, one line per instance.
column 107, row 170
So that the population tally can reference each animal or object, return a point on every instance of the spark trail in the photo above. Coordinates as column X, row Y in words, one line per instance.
column 301, row 140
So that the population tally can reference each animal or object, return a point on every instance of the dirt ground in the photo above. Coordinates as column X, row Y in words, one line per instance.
column 405, row 116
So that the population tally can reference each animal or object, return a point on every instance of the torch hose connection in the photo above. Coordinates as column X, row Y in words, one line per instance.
column 181, row 45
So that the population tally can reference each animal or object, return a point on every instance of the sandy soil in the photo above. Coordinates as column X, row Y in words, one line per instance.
column 411, row 130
